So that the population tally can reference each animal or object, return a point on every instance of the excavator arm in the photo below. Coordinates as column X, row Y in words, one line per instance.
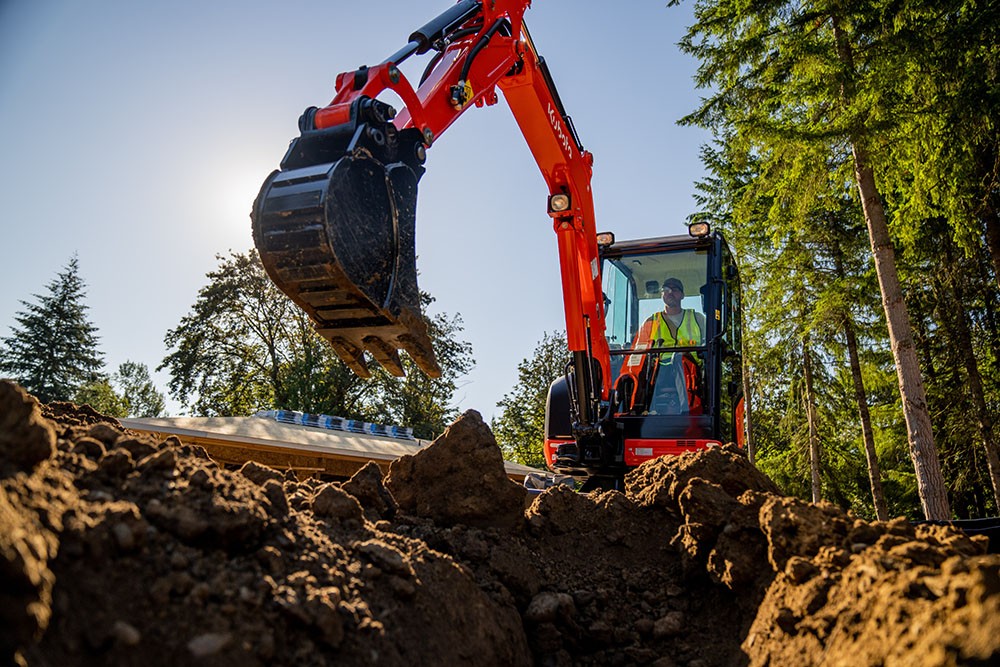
column 335, row 224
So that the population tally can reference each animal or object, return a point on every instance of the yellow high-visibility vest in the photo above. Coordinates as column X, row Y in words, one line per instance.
column 655, row 332
column 688, row 331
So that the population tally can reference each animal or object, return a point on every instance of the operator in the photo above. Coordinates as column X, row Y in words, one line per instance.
column 674, row 326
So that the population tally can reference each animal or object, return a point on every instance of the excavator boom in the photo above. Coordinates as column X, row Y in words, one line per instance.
column 335, row 224
column 335, row 230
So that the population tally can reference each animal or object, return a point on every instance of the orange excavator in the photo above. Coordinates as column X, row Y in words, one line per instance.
column 653, row 326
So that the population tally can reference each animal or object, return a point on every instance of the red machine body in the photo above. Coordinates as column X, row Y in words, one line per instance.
column 468, row 73
column 345, row 195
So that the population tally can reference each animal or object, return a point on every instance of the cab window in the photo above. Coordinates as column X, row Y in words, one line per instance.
column 634, row 290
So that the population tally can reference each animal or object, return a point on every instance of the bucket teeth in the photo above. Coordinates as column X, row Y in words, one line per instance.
column 385, row 354
column 422, row 354
column 349, row 353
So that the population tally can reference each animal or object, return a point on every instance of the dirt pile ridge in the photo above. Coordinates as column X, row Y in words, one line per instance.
column 116, row 549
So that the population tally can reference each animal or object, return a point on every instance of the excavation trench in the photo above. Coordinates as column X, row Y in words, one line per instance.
column 121, row 549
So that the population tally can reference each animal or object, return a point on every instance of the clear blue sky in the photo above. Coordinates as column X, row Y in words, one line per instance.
column 137, row 134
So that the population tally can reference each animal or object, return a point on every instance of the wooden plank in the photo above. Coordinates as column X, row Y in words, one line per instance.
column 309, row 451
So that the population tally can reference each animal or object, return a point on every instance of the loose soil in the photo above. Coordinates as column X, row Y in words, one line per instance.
column 118, row 549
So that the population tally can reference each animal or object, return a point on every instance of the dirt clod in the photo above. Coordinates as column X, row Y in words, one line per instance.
column 116, row 549
column 459, row 480
column 26, row 439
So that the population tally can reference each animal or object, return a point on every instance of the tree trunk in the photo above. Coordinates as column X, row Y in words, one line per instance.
column 956, row 316
column 922, row 339
column 992, row 221
column 867, row 435
column 861, row 398
column 817, row 486
column 930, row 481
column 750, row 444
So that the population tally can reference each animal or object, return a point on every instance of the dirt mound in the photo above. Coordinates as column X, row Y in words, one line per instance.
column 460, row 479
column 122, row 550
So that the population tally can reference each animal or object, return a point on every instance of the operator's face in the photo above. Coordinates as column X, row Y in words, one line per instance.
column 672, row 297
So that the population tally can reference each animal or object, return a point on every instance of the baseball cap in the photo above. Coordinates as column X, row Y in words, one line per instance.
column 673, row 282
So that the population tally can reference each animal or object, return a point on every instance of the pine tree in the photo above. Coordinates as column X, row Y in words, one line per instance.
column 789, row 206
column 53, row 351
column 815, row 73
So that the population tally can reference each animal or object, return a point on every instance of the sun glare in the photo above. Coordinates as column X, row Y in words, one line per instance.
column 235, row 196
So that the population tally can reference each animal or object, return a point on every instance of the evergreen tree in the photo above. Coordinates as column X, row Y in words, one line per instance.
column 798, row 238
column 520, row 427
column 53, row 351
column 815, row 74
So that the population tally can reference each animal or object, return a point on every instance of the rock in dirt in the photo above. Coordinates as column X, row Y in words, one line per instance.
column 118, row 550
column 366, row 486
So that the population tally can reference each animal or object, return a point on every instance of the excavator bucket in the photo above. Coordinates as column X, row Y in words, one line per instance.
column 335, row 231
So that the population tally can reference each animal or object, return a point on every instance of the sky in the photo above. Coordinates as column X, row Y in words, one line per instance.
column 136, row 135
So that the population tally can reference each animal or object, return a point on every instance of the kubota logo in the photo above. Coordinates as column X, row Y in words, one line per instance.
column 561, row 135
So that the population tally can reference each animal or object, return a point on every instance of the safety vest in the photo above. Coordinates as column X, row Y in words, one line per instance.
column 655, row 332
column 688, row 331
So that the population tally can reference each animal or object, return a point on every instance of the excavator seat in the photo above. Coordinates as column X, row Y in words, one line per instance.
column 660, row 388
column 335, row 228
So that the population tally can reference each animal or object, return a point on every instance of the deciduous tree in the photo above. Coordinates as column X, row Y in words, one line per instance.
column 520, row 426
column 139, row 394
column 245, row 346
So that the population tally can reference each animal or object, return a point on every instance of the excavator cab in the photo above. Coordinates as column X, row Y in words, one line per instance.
column 660, row 368
column 677, row 375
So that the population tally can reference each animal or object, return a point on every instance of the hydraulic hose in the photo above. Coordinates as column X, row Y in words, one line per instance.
column 480, row 45
column 458, row 34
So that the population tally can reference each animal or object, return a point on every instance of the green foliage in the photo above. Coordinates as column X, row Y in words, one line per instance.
column 101, row 396
column 795, row 90
column 954, row 302
column 419, row 401
column 139, row 395
column 245, row 346
column 53, row 352
column 520, row 427
column 946, row 68
column 228, row 353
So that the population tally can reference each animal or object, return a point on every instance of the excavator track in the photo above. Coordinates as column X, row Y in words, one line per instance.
column 338, row 237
